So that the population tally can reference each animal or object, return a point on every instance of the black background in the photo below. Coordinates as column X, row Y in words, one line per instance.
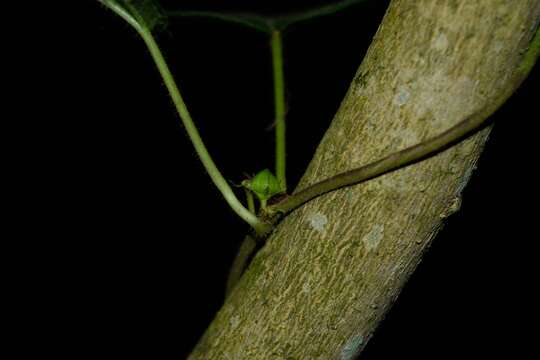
column 141, row 241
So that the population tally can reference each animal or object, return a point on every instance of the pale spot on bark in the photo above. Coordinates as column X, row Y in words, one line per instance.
column 465, row 180
column 440, row 42
column 373, row 238
column 398, row 184
column 452, row 208
column 498, row 47
column 409, row 137
column 318, row 221
column 460, row 92
column 402, row 96
column 352, row 347
column 349, row 196
column 234, row 321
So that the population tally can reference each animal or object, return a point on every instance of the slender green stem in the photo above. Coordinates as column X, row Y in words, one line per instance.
column 279, row 102
column 193, row 133
column 250, row 200
column 120, row 11
column 187, row 121
column 417, row 152
column 241, row 261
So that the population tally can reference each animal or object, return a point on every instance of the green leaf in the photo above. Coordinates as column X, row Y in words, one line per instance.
column 268, row 24
column 253, row 21
column 139, row 13
column 284, row 21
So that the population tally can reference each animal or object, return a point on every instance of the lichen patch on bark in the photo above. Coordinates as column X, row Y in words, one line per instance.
column 440, row 42
column 318, row 221
column 402, row 96
column 352, row 347
column 372, row 239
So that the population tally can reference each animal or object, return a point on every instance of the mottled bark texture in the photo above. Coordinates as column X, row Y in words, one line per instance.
column 333, row 268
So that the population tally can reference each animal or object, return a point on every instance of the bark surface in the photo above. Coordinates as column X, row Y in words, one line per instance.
column 333, row 268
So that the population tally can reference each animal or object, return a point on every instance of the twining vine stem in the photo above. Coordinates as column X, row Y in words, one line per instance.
column 417, row 152
column 250, row 200
column 392, row 162
column 271, row 214
column 279, row 102
column 193, row 133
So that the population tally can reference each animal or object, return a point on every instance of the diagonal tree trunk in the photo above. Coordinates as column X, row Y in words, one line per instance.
column 332, row 269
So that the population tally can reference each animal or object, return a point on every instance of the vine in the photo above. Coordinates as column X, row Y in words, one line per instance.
column 145, row 15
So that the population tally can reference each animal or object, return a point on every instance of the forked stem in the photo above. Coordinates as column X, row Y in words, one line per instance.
column 187, row 121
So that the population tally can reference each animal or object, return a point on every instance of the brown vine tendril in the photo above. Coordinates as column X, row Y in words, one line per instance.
column 417, row 152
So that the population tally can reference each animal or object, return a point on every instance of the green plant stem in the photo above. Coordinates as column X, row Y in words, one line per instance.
column 250, row 200
column 120, row 11
column 279, row 102
column 417, row 152
column 193, row 133
column 246, row 251
column 187, row 121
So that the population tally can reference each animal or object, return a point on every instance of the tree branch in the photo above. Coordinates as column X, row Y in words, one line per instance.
column 419, row 151
column 331, row 270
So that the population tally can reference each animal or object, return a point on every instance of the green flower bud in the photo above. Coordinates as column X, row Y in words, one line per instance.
column 264, row 185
